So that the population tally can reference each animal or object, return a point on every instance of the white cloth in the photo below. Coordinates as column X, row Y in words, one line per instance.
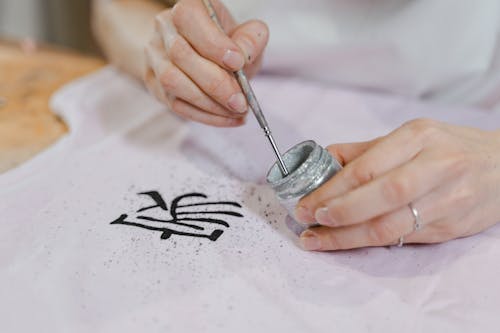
column 65, row 268
column 446, row 50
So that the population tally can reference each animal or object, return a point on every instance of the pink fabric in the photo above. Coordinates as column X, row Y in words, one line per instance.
column 64, row 268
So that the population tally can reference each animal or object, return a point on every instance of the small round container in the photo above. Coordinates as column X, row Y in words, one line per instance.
column 309, row 166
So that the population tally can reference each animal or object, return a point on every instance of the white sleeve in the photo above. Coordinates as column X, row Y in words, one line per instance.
column 422, row 48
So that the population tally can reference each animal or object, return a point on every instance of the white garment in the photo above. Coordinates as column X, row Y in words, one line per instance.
column 444, row 50
column 65, row 268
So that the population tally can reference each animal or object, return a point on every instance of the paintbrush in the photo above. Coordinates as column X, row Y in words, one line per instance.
column 250, row 96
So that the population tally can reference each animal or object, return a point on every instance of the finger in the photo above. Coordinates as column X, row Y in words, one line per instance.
column 156, row 53
column 154, row 59
column 443, row 230
column 252, row 38
column 434, row 233
column 209, row 41
column 388, row 153
column 450, row 209
column 177, row 83
column 191, row 112
column 344, row 153
column 174, row 81
column 212, row 79
column 154, row 87
column 380, row 232
column 389, row 192
column 439, row 217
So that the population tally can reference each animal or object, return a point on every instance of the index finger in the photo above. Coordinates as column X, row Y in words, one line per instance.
column 387, row 153
column 344, row 153
column 193, row 22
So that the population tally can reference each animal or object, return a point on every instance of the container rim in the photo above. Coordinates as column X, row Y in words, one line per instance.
column 298, row 170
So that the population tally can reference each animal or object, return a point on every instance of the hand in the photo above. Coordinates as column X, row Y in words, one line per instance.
column 190, row 60
column 451, row 175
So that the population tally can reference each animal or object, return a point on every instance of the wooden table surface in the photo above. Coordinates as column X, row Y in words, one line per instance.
column 28, row 78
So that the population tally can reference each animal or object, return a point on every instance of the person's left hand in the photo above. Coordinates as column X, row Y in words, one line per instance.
column 450, row 174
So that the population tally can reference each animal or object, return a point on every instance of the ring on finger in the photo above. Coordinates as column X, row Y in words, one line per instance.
column 416, row 216
column 417, row 222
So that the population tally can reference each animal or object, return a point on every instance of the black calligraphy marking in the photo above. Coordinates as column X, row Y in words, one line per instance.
column 157, row 198
column 180, row 216
column 152, row 219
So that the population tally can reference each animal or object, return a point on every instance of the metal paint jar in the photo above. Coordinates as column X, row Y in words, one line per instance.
column 309, row 165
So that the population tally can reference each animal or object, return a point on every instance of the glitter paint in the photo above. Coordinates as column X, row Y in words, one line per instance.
column 310, row 166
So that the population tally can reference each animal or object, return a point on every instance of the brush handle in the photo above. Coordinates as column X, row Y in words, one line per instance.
column 241, row 76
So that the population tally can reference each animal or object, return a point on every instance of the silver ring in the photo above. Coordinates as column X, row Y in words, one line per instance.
column 417, row 225
column 416, row 216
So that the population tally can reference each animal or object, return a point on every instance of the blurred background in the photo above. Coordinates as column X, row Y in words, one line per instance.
column 62, row 22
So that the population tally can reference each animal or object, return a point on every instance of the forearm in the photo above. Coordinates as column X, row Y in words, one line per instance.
column 122, row 28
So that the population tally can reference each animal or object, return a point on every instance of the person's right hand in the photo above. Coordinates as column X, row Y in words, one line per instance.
column 190, row 61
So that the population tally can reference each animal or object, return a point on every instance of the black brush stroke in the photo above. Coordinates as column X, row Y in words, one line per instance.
column 152, row 219
column 223, row 212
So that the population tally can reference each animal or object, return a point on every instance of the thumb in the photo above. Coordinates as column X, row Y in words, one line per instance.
column 251, row 37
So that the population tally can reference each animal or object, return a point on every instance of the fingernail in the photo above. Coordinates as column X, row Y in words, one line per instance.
column 233, row 60
column 322, row 216
column 238, row 103
column 310, row 241
column 302, row 214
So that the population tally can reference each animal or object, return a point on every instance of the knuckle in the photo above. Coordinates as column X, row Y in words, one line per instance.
column 162, row 20
column 459, row 163
column 464, row 198
column 148, row 76
column 340, row 213
column 219, row 86
column 456, row 165
column 169, row 79
column 333, row 241
column 361, row 174
column 421, row 123
column 177, row 106
column 395, row 190
column 197, row 100
column 423, row 128
column 179, row 13
column 179, row 49
column 163, row 16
